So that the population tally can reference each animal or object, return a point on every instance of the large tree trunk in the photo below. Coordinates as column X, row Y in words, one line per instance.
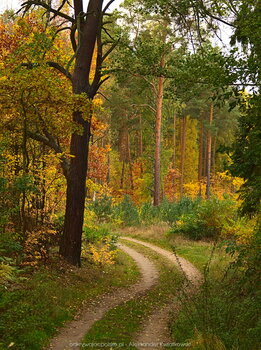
column 159, row 103
column 71, row 241
column 70, row 246
column 183, row 152
column 209, row 144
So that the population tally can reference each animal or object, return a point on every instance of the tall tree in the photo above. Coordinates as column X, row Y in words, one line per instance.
column 209, row 151
column 85, row 35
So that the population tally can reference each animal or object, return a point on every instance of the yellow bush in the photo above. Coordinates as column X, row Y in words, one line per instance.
column 100, row 253
column 36, row 247
column 241, row 231
column 7, row 273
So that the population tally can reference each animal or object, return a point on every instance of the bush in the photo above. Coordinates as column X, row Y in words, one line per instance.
column 149, row 214
column 126, row 212
column 172, row 211
column 225, row 312
column 102, row 208
column 9, row 244
column 99, row 245
column 206, row 219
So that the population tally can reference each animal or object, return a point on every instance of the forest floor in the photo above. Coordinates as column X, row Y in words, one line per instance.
column 151, row 327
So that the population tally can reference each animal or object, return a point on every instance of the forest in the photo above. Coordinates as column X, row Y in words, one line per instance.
column 130, row 175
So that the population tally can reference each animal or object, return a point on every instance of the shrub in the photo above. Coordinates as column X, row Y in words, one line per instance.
column 126, row 212
column 206, row 219
column 172, row 211
column 37, row 246
column 9, row 244
column 225, row 312
column 102, row 208
column 150, row 214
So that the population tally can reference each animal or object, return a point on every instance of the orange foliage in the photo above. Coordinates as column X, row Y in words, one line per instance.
column 98, row 163
column 171, row 183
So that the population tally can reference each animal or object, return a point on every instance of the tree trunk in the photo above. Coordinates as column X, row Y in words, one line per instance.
column 140, row 150
column 70, row 246
column 183, row 151
column 88, row 33
column 122, row 175
column 214, row 155
column 174, row 141
column 174, row 152
column 200, row 158
column 209, row 144
column 159, row 103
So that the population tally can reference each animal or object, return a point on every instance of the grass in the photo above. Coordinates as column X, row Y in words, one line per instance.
column 31, row 313
column 120, row 324
column 224, row 314
column 199, row 253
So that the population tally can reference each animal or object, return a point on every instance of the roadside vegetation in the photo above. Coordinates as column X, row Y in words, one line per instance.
column 38, row 303
column 138, row 122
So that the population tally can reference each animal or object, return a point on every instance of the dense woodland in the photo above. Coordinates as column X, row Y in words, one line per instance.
column 145, row 115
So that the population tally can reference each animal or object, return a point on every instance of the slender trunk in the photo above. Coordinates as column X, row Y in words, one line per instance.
column 25, row 171
column 174, row 141
column 122, row 175
column 174, row 152
column 129, row 160
column 159, row 103
column 140, row 151
column 214, row 155
column 183, row 151
column 209, row 144
column 131, row 176
column 108, row 176
column 204, row 157
column 200, row 158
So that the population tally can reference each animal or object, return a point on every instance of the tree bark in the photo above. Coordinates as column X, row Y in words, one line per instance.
column 70, row 246
column 183, row 153
column 174, row 141
column 213, row 165
column 209, row 145
column 174, row 152
column 88, row 33
column 159, row 104
column 122, row 175
column 200, row 158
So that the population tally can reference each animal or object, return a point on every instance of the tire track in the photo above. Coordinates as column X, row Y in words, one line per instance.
column 156, row 329
column 71, row 335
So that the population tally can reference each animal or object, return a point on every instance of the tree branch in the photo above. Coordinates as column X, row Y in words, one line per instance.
column 54, row 146
column 72, row 37
column 110, row 50
column 55, row 65
column 107, row 6
column 103, row 81
column 28, row 4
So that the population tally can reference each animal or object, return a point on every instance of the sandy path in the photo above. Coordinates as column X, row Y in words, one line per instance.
column 156, row 331
column 74, row 331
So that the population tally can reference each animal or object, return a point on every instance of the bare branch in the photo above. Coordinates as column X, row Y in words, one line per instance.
column 55, row 65
column 145, row 105
column 103, row 81
column 54, row 146
column 107, row 6
column 72, row 37
column 110, row 50
column 28, row 4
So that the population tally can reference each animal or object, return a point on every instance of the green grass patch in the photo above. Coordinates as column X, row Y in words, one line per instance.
column 31, row 313
column 199, row 253
column 122, row 323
